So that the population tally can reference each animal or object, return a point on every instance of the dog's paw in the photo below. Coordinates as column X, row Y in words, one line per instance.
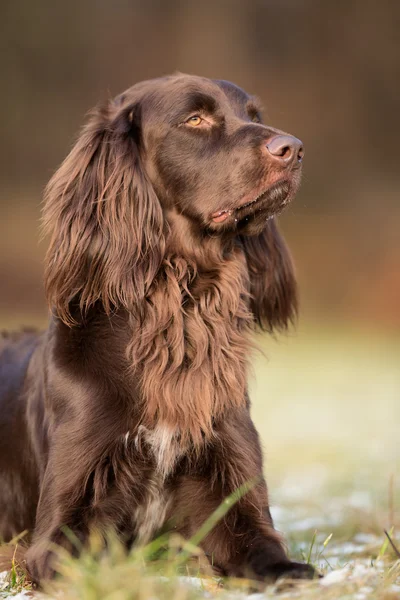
column 39, row 564
column 270, row 572
column 294, row 570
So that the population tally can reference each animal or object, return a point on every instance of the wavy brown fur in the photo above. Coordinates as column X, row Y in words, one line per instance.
column 104, row 220
column 176, row 345
column 132, row 409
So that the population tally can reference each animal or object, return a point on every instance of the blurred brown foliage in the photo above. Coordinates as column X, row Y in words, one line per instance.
column 328, row 72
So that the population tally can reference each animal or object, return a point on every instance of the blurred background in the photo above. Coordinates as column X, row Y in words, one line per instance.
column 328, row 72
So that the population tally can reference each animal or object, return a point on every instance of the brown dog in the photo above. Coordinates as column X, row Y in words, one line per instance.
column 132, row 408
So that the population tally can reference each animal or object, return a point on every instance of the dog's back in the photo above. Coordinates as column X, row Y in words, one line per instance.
column 18, row 474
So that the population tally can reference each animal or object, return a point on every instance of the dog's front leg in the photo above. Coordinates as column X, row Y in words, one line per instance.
column 66, row 494
column 59, row 507
column 244, row 543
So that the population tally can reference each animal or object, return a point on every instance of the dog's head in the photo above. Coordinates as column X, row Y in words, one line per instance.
column 180, row 144
column 208, row 154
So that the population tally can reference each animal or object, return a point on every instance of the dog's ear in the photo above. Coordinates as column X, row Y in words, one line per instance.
column 104, row 218
column 272, row 280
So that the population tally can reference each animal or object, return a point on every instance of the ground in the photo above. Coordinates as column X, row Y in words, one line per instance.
column 327, row 404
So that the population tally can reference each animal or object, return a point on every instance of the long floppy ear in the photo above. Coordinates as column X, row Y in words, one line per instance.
column 272, row 281
column 105, row 221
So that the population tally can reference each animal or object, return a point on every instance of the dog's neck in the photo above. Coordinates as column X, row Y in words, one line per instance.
column 187, row 240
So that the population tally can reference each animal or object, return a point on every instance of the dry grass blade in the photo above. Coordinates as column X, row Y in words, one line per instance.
column 392, row 544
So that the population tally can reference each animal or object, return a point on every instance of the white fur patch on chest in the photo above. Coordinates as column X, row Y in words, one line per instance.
column 165, row 446
column 150, row 515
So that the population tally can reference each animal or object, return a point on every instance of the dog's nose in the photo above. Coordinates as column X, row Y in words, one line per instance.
column 285, row 149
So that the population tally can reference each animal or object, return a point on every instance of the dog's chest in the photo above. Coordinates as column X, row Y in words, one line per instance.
column 191, row 351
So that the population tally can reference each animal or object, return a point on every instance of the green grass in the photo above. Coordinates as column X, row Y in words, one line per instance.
column 327, row 405
column 15, row 581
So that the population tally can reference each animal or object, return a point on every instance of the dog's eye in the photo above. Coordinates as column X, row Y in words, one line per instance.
column 256, row 119
column 194, row 121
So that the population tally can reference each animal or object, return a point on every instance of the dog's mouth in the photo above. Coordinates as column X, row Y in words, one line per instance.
column 275, row 197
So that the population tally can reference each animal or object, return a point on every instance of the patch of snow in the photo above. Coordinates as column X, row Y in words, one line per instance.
column 360, row 570
column 360, row 573
column 366, row 538
column 196, row 582
column 3, row 576
column 347, row 548
column 308, row 523
column 335, row 576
